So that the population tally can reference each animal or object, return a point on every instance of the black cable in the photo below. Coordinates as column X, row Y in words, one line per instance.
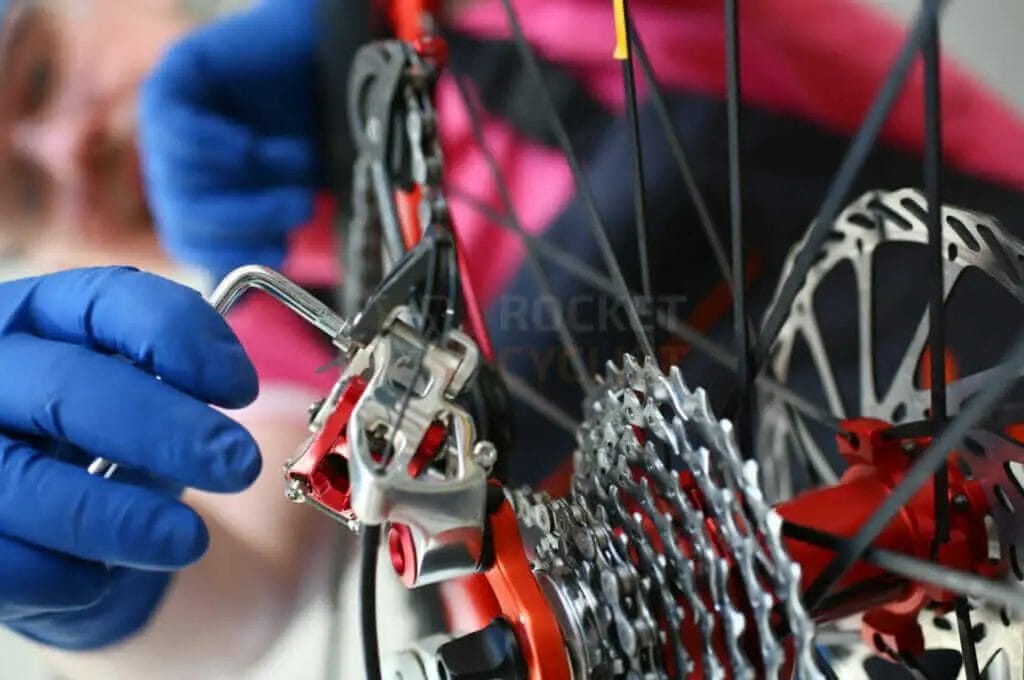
column 369, row 544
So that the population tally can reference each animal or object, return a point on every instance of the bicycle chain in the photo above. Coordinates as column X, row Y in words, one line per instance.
column 421, row 127
column 645, row 554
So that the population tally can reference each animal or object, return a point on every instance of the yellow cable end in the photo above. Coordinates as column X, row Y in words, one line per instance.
column 621, row 39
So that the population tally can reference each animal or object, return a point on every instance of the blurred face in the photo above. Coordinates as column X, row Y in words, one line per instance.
column 70, row 185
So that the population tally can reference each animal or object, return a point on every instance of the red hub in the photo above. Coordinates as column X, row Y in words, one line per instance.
column 877, row 460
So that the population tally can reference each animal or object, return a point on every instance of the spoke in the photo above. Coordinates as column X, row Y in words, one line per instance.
column 1000, row 593
column 969, row 651
column 937, row 293
column 668, row 322
column 569, row 344
column 585, row 193
column 679, row 154
column 643, row 229
column 525, row 392
column 953, row 580
column 745, row 394
column 809, row 449
column 934, row 456
column 855, row 157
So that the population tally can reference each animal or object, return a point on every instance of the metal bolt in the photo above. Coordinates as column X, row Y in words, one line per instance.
column 313, row 409
column 295, row 492
column 485, row 455
column 961, row 503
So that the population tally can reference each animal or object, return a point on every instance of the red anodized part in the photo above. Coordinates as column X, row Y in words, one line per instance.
column 877, row 461
column 323, row 466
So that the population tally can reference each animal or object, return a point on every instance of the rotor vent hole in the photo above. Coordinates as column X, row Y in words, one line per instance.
column 1015, row 563
column 916, row 209
column 1004, row 500
column 994, row 544
column 879, row 643
column 898, row 306
column 951, row 252
column 942, row 623
column 899, row 413
column 1015, row 473
column 887, row 213
column 996, row 246
column 974, row 447
column 862, row 220
column 963, row 232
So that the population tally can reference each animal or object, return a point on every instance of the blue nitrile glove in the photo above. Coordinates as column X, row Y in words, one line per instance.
column 226, row 129
column 85, row 560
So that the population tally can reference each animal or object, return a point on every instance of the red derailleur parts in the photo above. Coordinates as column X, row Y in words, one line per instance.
column 391, row 444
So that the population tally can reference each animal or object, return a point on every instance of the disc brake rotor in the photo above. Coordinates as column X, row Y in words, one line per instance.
column 970, row 241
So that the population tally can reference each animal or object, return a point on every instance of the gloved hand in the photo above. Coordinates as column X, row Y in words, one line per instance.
column 227, row 127
column 84, row 560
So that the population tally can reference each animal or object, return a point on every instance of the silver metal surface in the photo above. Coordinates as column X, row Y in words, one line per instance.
column 971, row 241
column 443, row 507
column 243, row 279
column 101, row 467
column 608, row 582
column 231, row 289
column 419, row 662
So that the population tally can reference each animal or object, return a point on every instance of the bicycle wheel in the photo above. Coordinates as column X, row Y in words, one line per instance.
column 666, row 558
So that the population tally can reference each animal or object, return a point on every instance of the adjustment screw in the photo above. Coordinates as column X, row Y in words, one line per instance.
column 961, row 503
column 313, row 409
column 485, row 455
column 295, row 491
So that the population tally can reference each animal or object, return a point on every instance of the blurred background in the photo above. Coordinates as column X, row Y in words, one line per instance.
column 983, row 36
